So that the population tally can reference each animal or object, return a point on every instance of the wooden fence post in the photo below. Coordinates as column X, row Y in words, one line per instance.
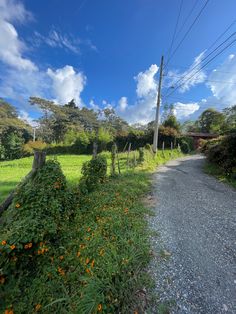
column 95, row 149
column 171, row 147
column 128, row 155
column 118, row 160
column 163, row 148
column 38, row 162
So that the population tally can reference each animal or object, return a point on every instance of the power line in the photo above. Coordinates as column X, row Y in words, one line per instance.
column 222, row 50
column 222, row 34
column 196, row 66
column 188, row 31
column 188, row 16
column 175, row 30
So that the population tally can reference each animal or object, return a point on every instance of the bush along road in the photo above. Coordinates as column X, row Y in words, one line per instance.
column 194, row 247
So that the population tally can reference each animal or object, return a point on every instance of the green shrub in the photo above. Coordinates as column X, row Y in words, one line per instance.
column 222, row 151
column 184, row 147
column 94, row 172
column 31, row 228
column 12, row 144
column 141, row 155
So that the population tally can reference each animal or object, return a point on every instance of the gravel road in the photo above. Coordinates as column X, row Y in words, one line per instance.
column 194, row 267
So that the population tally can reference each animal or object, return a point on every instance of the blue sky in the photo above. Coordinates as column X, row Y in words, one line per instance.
column 107, row 53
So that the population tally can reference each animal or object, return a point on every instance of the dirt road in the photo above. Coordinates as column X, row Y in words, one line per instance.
column 195, row 218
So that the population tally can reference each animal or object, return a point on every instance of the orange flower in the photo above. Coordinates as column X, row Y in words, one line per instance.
column 92, row 264
column 38, row 307
column 61, row 257
column 126, row 210
column 135, row 312
column 61, row 271
column 30, row 245
column 12, row 247
column 9, row 311
column 82, row 246
column 17, row 205
column 26, row 246
column 87, row 260
column 78, row 253
column 87, row 270
column 89, row 229
column 99, row 307
column 4, row 242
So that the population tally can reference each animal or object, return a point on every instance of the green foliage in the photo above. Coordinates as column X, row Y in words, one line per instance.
column 93, row 173
column 31, row 228
column 222, row 152
column 82, row 141
column 13, row 145
column 104, row 137
column 172, row 122
column 185, row 147
column 30, row 146
column 211, row 121
column 141, row 155
column 186, row 144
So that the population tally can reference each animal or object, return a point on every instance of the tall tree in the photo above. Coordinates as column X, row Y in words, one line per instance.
column 211, row 121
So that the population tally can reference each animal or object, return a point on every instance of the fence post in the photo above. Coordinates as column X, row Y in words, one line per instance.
column 171, row 147
column 113, row 160
column 38, row 162
column 118, row 160
column 95, row 149
column 163, row 148
column 128, row 155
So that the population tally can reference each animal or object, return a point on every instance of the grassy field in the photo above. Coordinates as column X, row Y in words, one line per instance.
column 13, row 171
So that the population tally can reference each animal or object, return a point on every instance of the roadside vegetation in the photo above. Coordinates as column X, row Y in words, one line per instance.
column 221, row 158
column 78, row 250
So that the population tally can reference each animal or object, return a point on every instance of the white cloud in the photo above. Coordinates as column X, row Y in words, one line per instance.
column 11, row 47
column 143, row 110
column 67, row 84
column 182, row 110
column 222, row 81
column 24, row 115
column 56, row 39
column 146, row 82
column 174, row 78
column 123, row 103
column 12, row 10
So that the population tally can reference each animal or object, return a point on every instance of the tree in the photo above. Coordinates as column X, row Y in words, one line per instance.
column 172, row 122
column 211, row 121
column 230, row 119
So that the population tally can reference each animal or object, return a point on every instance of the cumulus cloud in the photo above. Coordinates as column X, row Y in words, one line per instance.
column 146, row 83
column 67, row 84
column 189, row 80
column 11, row 47
column 123, row 103
column 182, row 110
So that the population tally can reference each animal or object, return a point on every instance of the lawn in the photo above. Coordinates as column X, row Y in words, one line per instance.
column 13, row 171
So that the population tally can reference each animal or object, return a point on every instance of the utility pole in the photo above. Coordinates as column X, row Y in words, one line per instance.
column 34, row 134
column 155, row 138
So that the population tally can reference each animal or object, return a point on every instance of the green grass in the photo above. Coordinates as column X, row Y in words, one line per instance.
column 13, row 171
column 216, row 171
column 101, row 253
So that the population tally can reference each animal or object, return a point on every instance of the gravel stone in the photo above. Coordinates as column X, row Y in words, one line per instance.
column 195, row 219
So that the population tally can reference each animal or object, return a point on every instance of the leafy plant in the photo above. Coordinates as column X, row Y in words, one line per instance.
column 94, row 172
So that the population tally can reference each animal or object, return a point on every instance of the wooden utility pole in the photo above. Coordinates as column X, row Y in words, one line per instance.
column 155, row 137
